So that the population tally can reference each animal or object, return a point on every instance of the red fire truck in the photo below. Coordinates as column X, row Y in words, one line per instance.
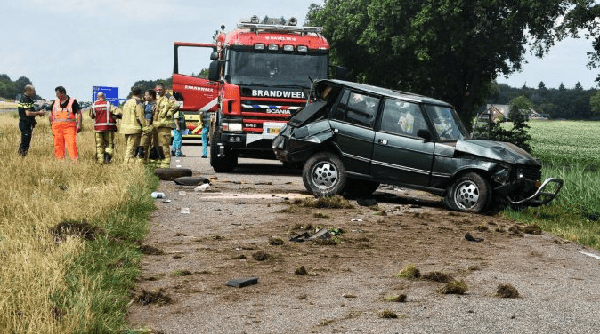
column 259, row 76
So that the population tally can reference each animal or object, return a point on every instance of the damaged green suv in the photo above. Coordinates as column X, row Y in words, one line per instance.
column 351, row 137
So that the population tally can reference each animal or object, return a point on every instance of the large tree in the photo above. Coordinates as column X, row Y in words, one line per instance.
column 595, row 102
column 448, row 49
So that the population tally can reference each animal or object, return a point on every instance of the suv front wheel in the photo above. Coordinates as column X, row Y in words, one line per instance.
column 324, row 174
column 470, row 192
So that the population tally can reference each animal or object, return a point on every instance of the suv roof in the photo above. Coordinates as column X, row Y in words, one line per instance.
column 386, row 92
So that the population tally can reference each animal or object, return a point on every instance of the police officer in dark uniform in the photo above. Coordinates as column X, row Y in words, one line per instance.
column 27, row 113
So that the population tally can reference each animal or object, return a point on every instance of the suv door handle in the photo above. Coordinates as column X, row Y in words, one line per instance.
column 382, row 141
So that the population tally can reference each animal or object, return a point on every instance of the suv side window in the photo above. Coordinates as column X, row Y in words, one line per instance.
column 340, row 111
column 357, row 108
column 402, row 117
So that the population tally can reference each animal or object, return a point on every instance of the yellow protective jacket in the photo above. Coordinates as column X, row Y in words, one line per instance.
column 165, row 108
column 133, row 116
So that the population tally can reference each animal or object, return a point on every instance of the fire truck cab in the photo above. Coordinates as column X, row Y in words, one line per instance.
column 259, row 76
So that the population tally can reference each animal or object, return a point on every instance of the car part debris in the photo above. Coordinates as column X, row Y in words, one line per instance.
column 469, row 237
column 242, row 282
column 170, row 174
column 202, row 187
column 190, row 181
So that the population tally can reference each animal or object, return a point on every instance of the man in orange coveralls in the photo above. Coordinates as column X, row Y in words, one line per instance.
column 65, row 118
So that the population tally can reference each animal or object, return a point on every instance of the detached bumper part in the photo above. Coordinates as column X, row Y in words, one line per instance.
column 546, row 197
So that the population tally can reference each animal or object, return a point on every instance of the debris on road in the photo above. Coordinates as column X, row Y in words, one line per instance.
column 158, row 195
column 454, row 287
column 301, row 271
column 471, row 238
column 260, row 256
column 202, row 187
column 410, row 271
column 507, row 290
column 170, row 174
column 437, row 276
column 190, row 181
column 242, row 282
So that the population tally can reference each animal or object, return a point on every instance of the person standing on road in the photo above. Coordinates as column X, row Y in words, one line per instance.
column 179, row 119
column 105, row 117
column 132, row 124
column 65, row 119
column 163, row 123
column 205, row 119
column 27, row 116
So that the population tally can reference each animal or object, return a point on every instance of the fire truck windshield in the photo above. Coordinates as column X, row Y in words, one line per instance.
column 275, row 69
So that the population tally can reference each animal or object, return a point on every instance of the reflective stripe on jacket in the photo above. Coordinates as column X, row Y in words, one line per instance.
column 63, row 114
column 104, row 120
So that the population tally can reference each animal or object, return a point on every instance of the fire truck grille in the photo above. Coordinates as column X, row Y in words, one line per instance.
column 270, row 109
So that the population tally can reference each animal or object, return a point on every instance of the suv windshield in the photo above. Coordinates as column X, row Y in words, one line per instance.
column 275, row 69
column 446, row 123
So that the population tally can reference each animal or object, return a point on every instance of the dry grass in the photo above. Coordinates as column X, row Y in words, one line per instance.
column 38, row 193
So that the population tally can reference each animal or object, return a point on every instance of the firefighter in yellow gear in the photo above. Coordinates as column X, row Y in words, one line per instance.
column 162, row 121
column 132, row 124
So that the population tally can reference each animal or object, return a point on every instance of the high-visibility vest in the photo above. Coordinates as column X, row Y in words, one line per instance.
column 63, row 114
column 103, row 119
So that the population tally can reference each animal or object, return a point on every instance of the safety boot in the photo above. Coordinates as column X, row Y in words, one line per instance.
column 107, row 158
column 140, row 152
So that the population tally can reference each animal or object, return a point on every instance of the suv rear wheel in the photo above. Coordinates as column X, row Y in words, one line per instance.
column 324, row 174
column 470, row 192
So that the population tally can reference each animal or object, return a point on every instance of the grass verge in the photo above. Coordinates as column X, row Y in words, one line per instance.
column 69, row 234
column 575, row 213
column 101, row 277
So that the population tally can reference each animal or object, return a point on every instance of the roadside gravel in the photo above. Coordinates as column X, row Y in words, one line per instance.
column 347, row 284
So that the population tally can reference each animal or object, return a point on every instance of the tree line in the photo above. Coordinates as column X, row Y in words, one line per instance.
column 561, row 102
column 12, row 90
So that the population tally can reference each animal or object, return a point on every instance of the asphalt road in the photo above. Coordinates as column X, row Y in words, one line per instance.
column 559, row 284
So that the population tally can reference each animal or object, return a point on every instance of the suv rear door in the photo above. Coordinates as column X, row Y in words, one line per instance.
column 353, row 121
column 399, row 156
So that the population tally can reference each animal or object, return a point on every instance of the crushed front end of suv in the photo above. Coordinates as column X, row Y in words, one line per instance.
column 350, row 138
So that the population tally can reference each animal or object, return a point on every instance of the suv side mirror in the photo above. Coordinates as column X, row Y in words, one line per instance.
column 425, row 134
column 213, row 70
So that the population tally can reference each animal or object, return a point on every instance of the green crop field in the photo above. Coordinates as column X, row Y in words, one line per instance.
column 569, row 150
column 566, row 142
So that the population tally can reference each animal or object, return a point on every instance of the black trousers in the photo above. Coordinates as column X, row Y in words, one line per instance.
column 26, row 131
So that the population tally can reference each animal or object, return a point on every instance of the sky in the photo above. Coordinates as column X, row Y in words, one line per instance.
column 80, row 44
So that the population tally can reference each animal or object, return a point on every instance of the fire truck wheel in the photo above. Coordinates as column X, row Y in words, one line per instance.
column 171, row 174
